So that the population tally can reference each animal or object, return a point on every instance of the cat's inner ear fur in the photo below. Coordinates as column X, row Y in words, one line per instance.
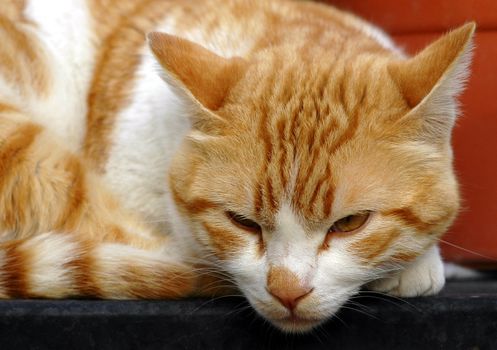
column 200, row 75
column 431, row 81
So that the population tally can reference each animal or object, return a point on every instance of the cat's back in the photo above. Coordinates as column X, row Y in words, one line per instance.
column 96, row 49
column 73, row 45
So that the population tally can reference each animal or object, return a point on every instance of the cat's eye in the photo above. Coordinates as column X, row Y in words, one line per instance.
column 351, row 222
column 243, row 223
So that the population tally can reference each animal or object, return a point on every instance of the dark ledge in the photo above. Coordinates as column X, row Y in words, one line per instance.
column 463, row 316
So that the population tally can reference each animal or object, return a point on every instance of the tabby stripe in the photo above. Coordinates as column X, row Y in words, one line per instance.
column 353, row 122
column 410, row 219
column 116, row 234
column 267, row 149
column 82, row 268
column 59, row 265
column 6, row 108
column 344, row 138
column 159, row 282
column 283, row 163
column 321, row 182
column 326, row 176
column 329, row 196
column 264, row 188
column 315, row 149
column 163, row 282
column 76, row 196
column 305, row 176
column 404, row 256
column 136, row 273
column 340, row 93
column 14, row 270
column 271, row 199
column 224, row 241
column 195, row 206
column 375, row 244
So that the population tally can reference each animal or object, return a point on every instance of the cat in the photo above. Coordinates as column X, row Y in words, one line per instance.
column 163, row 149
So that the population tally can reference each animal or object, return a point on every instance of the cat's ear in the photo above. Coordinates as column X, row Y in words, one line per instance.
column 203, row 77
column 431, row 81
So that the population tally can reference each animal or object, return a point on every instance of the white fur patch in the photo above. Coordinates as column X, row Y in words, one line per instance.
column 146, row 135
column 64, row 28
column 290, row 246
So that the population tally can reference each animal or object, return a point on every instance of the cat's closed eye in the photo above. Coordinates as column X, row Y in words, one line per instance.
column 243, row 222
column 350, row 223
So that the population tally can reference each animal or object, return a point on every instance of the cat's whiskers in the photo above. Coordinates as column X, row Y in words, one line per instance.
column 336, row 317
column 486, row 257
column 239, row 308
column 323, row 330
column 386, row 297
column 211, row 300
column 359, row 311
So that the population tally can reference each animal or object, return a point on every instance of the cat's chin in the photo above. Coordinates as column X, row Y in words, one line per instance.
column 295, row 324
column 305, row 318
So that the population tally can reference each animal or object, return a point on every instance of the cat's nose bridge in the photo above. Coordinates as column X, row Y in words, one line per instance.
column 298, row 255
column 286, row 287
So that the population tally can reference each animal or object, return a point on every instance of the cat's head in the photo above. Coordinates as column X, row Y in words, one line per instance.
column 309, row 173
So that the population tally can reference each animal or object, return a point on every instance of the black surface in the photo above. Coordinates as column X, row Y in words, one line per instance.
column 463, row 316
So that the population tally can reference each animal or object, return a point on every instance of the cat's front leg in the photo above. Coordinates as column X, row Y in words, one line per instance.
column 425, row 276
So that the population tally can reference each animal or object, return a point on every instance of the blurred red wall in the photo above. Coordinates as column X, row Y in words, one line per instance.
column 415, row 23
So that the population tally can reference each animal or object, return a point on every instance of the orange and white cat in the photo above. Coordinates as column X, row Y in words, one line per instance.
column 292, row 150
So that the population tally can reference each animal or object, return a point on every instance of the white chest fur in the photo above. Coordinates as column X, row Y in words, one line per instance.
column 145, row 138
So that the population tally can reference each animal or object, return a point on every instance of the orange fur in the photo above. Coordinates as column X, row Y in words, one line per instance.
column 312, row 114
column 346, row 103
column 21, row 56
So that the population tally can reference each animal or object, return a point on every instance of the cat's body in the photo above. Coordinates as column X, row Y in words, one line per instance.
column 318, row 95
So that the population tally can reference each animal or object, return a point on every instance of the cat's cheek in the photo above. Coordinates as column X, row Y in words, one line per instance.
column 339, row 277
column 248, row 270
column 227, row 244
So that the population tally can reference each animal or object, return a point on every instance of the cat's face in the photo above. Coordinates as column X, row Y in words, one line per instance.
column 274, row 193
column 312, row 178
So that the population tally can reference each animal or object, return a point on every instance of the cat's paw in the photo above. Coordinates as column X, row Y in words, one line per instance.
column 424, row 277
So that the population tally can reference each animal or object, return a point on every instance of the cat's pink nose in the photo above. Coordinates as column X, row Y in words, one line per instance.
column 285, row 287
column 290, row 298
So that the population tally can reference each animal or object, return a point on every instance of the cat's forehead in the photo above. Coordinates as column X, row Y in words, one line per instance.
column 313, row 91
column 301, row 130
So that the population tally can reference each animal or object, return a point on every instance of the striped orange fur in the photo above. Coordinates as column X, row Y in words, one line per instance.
column 87, row 269
column 121, row 33
column 287, row 116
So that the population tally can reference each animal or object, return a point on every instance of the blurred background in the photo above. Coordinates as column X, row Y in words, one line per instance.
column 414, row 24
